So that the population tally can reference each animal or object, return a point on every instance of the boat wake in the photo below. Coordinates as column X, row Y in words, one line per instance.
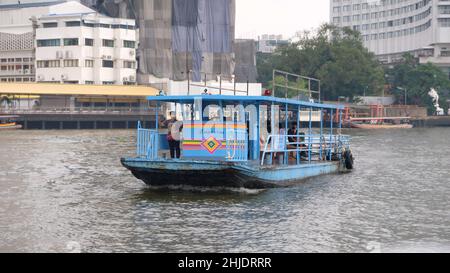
column 186, row 188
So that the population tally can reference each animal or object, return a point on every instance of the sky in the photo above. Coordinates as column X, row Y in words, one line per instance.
column 256, row 17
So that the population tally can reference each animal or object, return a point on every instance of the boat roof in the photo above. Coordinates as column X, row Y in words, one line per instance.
column 245, row 100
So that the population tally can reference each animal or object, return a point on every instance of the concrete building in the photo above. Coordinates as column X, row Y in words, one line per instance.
column 75, row 44
column 391, row 28
column 268, row 43
column 180, row 38
column 17, row 41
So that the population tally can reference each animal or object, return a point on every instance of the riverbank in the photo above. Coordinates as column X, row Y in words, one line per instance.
column 432, row 121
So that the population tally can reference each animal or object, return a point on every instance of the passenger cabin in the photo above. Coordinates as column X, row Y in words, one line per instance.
column 261, row 130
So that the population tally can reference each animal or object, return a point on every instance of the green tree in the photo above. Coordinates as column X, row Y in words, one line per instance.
column 335, row 56
column 418, row 79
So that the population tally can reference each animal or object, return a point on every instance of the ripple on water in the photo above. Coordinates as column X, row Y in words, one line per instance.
column 62, row 189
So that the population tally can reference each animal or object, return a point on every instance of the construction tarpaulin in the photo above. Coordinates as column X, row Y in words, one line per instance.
column 181, row 35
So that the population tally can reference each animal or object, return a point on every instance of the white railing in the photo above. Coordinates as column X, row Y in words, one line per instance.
column 147, row 143
column 237, row 146
column 315, row 147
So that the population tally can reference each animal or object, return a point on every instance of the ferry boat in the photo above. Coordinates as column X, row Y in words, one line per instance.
column 9, row 123
column 235, row 141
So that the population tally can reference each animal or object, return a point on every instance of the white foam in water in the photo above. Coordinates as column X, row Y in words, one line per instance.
column 207, row 189
column 416, row 247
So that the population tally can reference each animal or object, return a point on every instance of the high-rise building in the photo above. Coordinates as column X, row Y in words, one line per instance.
column 66, row 42
column 16, row 39
column 390, row 28
column 177, row 37
column 268, row 43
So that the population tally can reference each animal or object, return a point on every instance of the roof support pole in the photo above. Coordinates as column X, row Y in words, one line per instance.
column 321, row 133
column 286, row 131
column 331, row 133
column 309, row 133
column 298, row 133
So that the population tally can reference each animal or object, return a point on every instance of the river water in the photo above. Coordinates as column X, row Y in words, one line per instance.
column 65, row 191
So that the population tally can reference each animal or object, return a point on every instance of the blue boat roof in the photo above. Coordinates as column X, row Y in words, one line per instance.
column 247, row 100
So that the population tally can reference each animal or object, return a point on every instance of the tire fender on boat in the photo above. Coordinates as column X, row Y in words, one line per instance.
column 348, row 159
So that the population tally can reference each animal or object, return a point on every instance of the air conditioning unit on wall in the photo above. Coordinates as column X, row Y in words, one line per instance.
column 69, row 54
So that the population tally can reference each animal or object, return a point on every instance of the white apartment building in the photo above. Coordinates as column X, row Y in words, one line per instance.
column 268, row 43
column 75, row 44
column 16, row 40
column 391, row 28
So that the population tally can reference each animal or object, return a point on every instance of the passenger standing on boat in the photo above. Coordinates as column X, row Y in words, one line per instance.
column 173, row 135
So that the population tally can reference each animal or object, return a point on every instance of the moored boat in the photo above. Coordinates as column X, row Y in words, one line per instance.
column 381, row 123
column 9, row 123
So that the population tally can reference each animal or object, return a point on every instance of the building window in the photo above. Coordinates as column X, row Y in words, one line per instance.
column 48, row 42
column 71, row 42
column 73, row 24
column 104, row 25
column 108, row 43
column 89, row 82
column 89, row 42
column 107, row 83
column 48, row 63
column 130, row 27
column 109, row 64
column 70, row 63
column 89, row 63
column 129, row 64
column 129, row 44
column 50, row 25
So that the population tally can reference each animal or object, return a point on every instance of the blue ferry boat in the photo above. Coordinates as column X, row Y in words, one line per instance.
column 234, row 141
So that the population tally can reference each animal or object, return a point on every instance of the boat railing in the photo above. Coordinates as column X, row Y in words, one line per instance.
column 314, row 147
column 220, row 84
column 147, row 143
column 237, row 146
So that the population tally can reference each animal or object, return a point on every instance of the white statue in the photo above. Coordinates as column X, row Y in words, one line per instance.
column 435, row 96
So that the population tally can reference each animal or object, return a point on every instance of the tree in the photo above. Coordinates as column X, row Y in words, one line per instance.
column 418, row 79
column 335, row 56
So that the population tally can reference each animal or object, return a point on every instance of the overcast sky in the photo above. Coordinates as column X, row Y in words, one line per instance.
column 256, row 17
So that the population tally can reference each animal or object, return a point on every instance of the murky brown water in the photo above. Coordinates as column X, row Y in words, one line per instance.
column 66, row 191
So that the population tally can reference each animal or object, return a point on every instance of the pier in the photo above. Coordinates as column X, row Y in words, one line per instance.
column 432, row 121
column 84, row 120
column 71, row 106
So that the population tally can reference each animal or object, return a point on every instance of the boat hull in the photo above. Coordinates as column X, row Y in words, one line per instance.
column 381, row 126
column 219, row 174
column 11, row 126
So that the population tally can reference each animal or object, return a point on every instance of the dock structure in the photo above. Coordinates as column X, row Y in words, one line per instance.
column 72, row 106
column 432, row 121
